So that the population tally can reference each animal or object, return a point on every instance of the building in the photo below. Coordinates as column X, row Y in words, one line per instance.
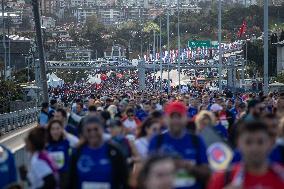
column 78, row 54
column 280, row 56
column 15, row 17
column 117, row 52
column 47, row 22
column 271, row 2
column 47, row 7
column 19, row 49
column 110, row 16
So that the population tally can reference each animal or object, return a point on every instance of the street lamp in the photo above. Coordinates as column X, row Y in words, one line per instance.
column 179, row 87
column 265, row 39
column 220, row 45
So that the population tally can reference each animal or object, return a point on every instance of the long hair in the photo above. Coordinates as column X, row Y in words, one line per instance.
column 146, row 169
column 145, row 125
column 37, row 138
column 49, row 126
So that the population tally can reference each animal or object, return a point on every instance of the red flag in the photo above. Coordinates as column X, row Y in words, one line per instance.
column 242, row 29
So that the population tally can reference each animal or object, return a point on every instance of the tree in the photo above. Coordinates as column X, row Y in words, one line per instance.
column 94, row 31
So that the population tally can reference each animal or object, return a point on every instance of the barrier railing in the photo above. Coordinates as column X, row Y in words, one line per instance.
column 14, row 120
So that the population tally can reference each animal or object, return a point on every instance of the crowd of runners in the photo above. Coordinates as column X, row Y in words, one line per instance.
column 109, row 135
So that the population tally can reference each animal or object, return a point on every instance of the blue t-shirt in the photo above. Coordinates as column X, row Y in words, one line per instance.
column 277, row 154
column 185, row 149
column 192, row 112
column 221, row 130
column 234, row 113
column 8, row 171
column 43, row 118
column 60, row 152
column 141, row 114
column 94, row 168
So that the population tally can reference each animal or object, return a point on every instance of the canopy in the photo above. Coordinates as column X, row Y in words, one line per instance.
column 54, row 81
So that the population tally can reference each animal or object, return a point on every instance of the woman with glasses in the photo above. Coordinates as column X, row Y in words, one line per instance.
column 148, row 129
column 96, row 163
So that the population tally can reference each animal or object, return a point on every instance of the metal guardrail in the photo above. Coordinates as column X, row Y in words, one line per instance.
column 17, row 119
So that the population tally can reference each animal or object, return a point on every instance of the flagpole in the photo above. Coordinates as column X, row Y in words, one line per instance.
column 161, row 62
column 4, row 41
column 220, row 45
column 179, row 87
column 265, row 39
column 168, row 57
column 154, row 52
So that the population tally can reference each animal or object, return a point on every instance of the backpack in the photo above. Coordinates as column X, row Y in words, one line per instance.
column 194, row 139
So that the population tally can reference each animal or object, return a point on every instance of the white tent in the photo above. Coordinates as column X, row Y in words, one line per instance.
column 276, row 87
column 54, row 81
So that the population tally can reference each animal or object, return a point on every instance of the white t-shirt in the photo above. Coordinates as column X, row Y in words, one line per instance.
column 130, row 124
column 142, row 145
column 37, row 171
column 73, row 140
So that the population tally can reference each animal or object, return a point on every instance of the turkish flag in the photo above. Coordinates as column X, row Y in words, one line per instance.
column 242, row 29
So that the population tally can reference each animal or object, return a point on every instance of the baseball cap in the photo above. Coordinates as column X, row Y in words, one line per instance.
column 175, row 107
column 216, row 108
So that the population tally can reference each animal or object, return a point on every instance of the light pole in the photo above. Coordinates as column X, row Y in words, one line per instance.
column 168, row 57
column 179, row 87
column 4, row 41
column 161, row 62
column 220, row 45
column 40, row 50
column 265, row 39
column 154, row 62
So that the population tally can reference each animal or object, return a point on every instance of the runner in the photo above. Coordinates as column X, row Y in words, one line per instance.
column 43, row 172
column 96, row 163
column 188, row 149
column 254, row 171
column 8, row 170
column 59, row 148
column 157, row 172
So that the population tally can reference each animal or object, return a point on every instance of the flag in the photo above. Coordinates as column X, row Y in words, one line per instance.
column 242, row 29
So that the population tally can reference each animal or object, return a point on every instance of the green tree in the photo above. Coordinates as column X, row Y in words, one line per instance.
column 94, row 31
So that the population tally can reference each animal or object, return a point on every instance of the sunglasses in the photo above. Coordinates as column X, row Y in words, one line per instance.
column 130, row 115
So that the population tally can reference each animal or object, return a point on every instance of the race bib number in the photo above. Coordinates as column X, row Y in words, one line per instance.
column 58, row 158
column 95, row 185
column 183, row 179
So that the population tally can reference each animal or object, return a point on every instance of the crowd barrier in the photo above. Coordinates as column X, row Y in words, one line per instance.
column 17, row 119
